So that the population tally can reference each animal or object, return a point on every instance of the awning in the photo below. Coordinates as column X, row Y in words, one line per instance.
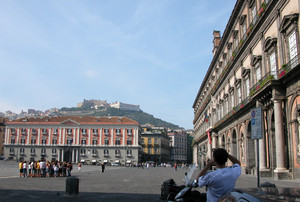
column 128, row 161
column 117, row 161
column 105, row 161
column 82, row 161
column 94, row 161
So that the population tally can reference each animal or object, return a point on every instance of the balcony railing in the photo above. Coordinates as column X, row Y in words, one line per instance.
column 289, row 66
column 106, row 155
column 94, row 155
column 262, row 82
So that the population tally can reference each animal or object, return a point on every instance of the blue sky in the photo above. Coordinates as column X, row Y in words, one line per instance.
column 153, row 53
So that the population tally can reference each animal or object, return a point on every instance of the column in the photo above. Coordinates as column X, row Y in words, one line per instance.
column 62, row 155
column 18, row 135
column 214, row 140
column 39, row 136
column 100, row 141
column 6, row 136
column 124, row 136
column 209, row 151
column 279, row 136
column 73, row 155
column 59, row 155
column 195, row 156
column 28, row 134
column 262, row 142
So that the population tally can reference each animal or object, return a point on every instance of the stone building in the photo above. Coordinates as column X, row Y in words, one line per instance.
column 155, row 143
column 179, row 146
column 74, row 138
column 255, row 65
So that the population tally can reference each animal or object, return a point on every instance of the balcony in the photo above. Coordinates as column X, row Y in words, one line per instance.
column 32, row 154
column 83, row 154
column 11, row 153
column 22, row 154
column 54, row 154
column 95, row 133
column 33, row 132
column 118, row 134
column 106, row 155
column 117, row 155
column 106, row 134
column 94, row 155
column 129, row 155
column 23, row 133
column 43, row 154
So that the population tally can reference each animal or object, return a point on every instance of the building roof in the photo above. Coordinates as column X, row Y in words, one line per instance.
column 107, row 120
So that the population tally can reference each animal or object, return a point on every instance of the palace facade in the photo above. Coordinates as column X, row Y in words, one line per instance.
column 73, row 139
column 255, row 65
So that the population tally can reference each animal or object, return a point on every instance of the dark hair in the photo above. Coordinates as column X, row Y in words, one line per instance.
column 220, row 156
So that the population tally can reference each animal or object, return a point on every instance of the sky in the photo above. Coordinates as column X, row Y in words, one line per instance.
column 152, row 53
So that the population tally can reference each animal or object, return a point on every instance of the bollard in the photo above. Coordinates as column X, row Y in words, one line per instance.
column 72, row 185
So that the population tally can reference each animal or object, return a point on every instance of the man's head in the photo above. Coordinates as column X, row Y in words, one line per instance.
column 220, row 156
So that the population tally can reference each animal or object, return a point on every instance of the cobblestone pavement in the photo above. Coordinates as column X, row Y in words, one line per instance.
column 115, row 184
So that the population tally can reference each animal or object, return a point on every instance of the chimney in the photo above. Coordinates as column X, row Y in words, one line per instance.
column 216, row 41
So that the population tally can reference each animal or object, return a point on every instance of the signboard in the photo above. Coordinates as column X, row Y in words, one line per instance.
column 256, row 123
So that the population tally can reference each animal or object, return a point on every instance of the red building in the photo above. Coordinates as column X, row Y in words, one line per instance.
column 75, row 139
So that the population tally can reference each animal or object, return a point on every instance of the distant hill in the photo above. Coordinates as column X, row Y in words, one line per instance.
column 138, row 116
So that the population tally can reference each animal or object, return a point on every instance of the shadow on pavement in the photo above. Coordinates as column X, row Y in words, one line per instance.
column 29, row 195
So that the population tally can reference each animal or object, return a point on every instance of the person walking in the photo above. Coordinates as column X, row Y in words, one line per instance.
column 103, row 167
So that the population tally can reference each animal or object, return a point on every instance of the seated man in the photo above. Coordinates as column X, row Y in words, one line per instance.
column 223, row 178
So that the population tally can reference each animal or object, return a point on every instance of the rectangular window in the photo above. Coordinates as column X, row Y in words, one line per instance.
column 239, row 95
column 44, row 141
column 69, row 131
column 129, row 131
column 105, row 151
column 149, row 150
column 44, row 131
column 129, row 152
column 273, row 65
column 149, row 140
column 33, row 141
column 33, row 131
column 54, row 141
column 118, row 142
column 32, row 151
column 95, row 142
column 11, row 150
column 293, row 49
column 83, row 142
column 95, row 131
column 232, row 100
column 106, row 131
column 247, row 83
column 84, row 131
column 129, row 142
column 55, row 131
column 22, row 141
column 82, row 151
column 118, row 131
column 53, row 151
column 254, row 14
column 69, row 141
column 106, row 142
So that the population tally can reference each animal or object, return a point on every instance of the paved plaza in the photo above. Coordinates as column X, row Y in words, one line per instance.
column 115, row 184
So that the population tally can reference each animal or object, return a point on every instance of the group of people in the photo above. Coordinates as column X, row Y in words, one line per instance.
column 45, row 168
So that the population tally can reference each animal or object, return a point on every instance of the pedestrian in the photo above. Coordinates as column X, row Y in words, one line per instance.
column 103, row 167
column 148, row 166
column 21, row 168
column 24, row 169
column 223, row 179
column 175, row 166
column 79, row 166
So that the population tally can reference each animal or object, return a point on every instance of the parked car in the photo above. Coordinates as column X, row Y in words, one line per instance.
column 115, row 164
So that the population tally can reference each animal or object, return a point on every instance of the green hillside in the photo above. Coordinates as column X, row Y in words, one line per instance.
column 139, row 116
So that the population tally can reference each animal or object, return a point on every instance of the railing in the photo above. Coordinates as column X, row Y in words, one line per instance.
column 289, row 66
column 233, row 111
column 262, row 82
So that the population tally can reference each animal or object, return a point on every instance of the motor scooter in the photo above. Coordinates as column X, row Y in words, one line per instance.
column 186, row 193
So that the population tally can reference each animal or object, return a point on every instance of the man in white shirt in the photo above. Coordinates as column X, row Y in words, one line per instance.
column 223, row 179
